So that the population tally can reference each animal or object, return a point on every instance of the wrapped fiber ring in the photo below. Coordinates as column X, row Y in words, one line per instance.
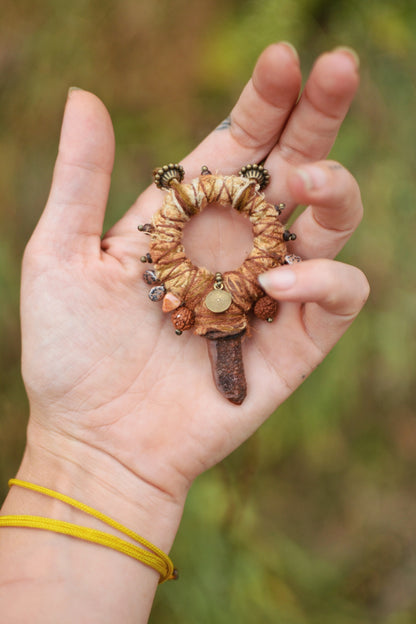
column 216, row 306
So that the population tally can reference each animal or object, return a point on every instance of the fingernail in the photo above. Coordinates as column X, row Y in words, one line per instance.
column 312, row 177
column 74, row 89
column 291, row 47
column 279, row 279
column 351, row 52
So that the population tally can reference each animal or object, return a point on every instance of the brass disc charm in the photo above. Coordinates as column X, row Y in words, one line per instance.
column 218, row 300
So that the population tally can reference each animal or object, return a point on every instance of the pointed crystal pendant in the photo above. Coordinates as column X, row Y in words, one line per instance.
column 227, row 365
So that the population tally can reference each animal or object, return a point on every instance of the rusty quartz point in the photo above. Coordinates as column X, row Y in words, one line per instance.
column 227, row 365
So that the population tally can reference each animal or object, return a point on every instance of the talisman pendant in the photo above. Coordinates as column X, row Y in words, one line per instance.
column 218, row 300
column 216, row 306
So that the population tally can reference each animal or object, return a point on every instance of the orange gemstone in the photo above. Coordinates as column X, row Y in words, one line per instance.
column 170, row 302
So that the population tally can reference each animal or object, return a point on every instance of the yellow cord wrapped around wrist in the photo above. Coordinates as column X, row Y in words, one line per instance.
column 145, row 551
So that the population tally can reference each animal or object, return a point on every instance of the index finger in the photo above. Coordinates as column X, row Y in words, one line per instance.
column 315, row 121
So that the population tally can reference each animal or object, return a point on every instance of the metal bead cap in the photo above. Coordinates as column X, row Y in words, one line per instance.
column 164, row 176
column 256, row 172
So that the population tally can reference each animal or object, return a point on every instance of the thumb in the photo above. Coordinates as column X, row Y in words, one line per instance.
column 76, row 205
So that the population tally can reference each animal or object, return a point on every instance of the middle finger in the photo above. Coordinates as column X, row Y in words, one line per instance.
column 315, row 121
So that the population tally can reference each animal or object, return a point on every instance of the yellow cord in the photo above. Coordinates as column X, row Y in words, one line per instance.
column 153, row 556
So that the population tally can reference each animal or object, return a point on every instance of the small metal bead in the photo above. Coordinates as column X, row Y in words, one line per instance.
column 149, row 258
column 143, row 259
column 146, row 228
column 205, row 170
column 178, row 332
column 270, row 320
column 287, row 236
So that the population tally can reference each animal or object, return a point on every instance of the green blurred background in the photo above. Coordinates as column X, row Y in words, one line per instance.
column 313, row 520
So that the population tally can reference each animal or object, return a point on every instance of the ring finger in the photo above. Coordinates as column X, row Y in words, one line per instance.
column 334, row 208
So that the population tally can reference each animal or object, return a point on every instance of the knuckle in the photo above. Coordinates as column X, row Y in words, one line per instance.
column 344, row 192
column 346, row 287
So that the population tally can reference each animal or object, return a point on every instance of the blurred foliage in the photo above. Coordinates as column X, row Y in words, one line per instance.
column 312, row 521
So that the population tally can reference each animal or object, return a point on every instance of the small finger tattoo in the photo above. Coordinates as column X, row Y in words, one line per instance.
column 224, row 125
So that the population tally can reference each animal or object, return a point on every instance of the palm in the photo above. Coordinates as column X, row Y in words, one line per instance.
column 122, row 380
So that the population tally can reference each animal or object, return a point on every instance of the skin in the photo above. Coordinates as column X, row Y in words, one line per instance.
column 124, row 414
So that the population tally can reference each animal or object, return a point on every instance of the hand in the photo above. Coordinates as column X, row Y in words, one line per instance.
column 107, row 378
column 124, row 414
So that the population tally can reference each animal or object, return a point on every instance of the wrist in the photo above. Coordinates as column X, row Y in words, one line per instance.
column 96, row 479
column 67, row 578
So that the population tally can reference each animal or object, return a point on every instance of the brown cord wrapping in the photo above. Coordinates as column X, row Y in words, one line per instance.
column 190, row 283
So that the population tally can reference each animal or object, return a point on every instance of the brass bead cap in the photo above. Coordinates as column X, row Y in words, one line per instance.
column 256, row 172
column 164, row 176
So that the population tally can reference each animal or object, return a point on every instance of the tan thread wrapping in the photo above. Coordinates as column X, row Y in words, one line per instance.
column 191, row 284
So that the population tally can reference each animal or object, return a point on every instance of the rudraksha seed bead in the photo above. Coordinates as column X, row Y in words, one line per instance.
column 183, row 318
column 265, row 308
